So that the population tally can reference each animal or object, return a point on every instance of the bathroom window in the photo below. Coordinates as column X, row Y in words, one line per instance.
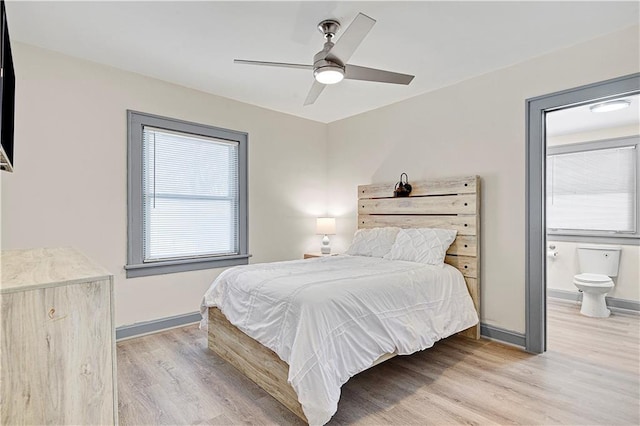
column 592, row 189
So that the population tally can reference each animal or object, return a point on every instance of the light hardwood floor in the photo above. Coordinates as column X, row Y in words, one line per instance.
column 589, row 375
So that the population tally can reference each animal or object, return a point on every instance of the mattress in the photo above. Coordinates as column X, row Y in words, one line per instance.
column 330, row 318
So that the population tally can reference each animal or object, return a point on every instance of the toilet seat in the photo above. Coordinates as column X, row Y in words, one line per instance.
column 595, row 280
column 594, row 288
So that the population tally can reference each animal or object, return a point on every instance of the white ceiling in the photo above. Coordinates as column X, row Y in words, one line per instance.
column 194, row 43
column 582, row 119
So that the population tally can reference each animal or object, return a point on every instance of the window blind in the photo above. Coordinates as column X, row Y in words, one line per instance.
column 190, row 195
column 592, row 190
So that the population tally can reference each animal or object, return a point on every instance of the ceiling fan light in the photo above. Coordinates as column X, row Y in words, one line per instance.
column 610, row 106
column 329, row 75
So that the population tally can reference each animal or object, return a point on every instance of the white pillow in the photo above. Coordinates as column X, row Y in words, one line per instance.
column 375, row 242
column 422, row 245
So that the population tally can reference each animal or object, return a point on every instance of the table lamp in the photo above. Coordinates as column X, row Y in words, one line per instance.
column 325, row 226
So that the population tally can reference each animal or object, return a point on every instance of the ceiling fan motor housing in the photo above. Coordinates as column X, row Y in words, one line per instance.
column 332, row 70
column 321, row 59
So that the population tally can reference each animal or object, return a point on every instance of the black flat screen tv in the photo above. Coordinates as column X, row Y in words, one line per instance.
column 7, row 95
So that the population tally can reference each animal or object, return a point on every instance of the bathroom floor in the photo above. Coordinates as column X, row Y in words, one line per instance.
column 614, row 340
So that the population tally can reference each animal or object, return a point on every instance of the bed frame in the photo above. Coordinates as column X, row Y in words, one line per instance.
column 451, row 203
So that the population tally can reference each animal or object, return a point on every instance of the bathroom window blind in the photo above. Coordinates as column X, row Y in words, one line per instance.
column 593, row 190
column 189, row 195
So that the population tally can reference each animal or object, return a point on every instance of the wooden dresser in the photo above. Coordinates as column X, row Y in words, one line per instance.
column 58, row 339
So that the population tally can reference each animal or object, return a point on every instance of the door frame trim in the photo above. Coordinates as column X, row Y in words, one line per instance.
column 535, row 240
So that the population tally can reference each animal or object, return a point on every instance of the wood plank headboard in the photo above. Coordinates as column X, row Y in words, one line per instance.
column 449, row 203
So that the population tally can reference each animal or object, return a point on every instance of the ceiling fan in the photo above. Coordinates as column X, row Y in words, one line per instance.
column 330, row 64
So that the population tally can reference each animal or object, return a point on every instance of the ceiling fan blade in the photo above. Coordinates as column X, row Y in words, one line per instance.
column 354, row 72
column 314, row 92
column 351, row 38
column 273, row 64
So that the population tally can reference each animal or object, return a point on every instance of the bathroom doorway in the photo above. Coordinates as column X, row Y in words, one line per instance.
column 592, row 204
column 555, row 119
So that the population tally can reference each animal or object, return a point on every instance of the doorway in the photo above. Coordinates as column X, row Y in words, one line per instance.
column 536, row 164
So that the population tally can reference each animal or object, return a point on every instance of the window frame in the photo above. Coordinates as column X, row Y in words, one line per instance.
column 605, row 237
column 136, row 266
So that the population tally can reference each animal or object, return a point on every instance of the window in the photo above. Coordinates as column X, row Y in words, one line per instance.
column 187, row 193
column 592, row 189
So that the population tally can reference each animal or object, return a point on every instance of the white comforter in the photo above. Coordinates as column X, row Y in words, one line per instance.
column 329, row 318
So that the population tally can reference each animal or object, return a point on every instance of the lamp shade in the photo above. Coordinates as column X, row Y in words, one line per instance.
column 326, row 226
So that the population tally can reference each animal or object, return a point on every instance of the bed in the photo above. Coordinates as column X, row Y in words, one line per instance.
column 319, row 343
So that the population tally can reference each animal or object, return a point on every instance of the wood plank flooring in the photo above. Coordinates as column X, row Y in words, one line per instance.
column 589, row 376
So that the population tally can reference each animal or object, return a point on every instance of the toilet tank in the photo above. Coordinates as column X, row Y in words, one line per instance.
column 599, row 259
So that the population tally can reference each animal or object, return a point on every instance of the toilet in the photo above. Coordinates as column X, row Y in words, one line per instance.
column 598, row 263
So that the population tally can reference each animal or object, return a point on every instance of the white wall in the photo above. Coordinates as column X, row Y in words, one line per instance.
column 473, row 127
column 593, row 135
column 69, row 185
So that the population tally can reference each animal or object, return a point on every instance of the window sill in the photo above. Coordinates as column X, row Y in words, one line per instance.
column 185, row 265
column 630, row 240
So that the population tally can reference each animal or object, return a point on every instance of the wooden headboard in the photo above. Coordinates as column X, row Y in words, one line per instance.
column 450, row 203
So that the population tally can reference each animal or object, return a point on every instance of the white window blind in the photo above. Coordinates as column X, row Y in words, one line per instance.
column 190, row 195
column 593, row 190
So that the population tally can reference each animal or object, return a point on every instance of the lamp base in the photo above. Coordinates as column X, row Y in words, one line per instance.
column 326, row 248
